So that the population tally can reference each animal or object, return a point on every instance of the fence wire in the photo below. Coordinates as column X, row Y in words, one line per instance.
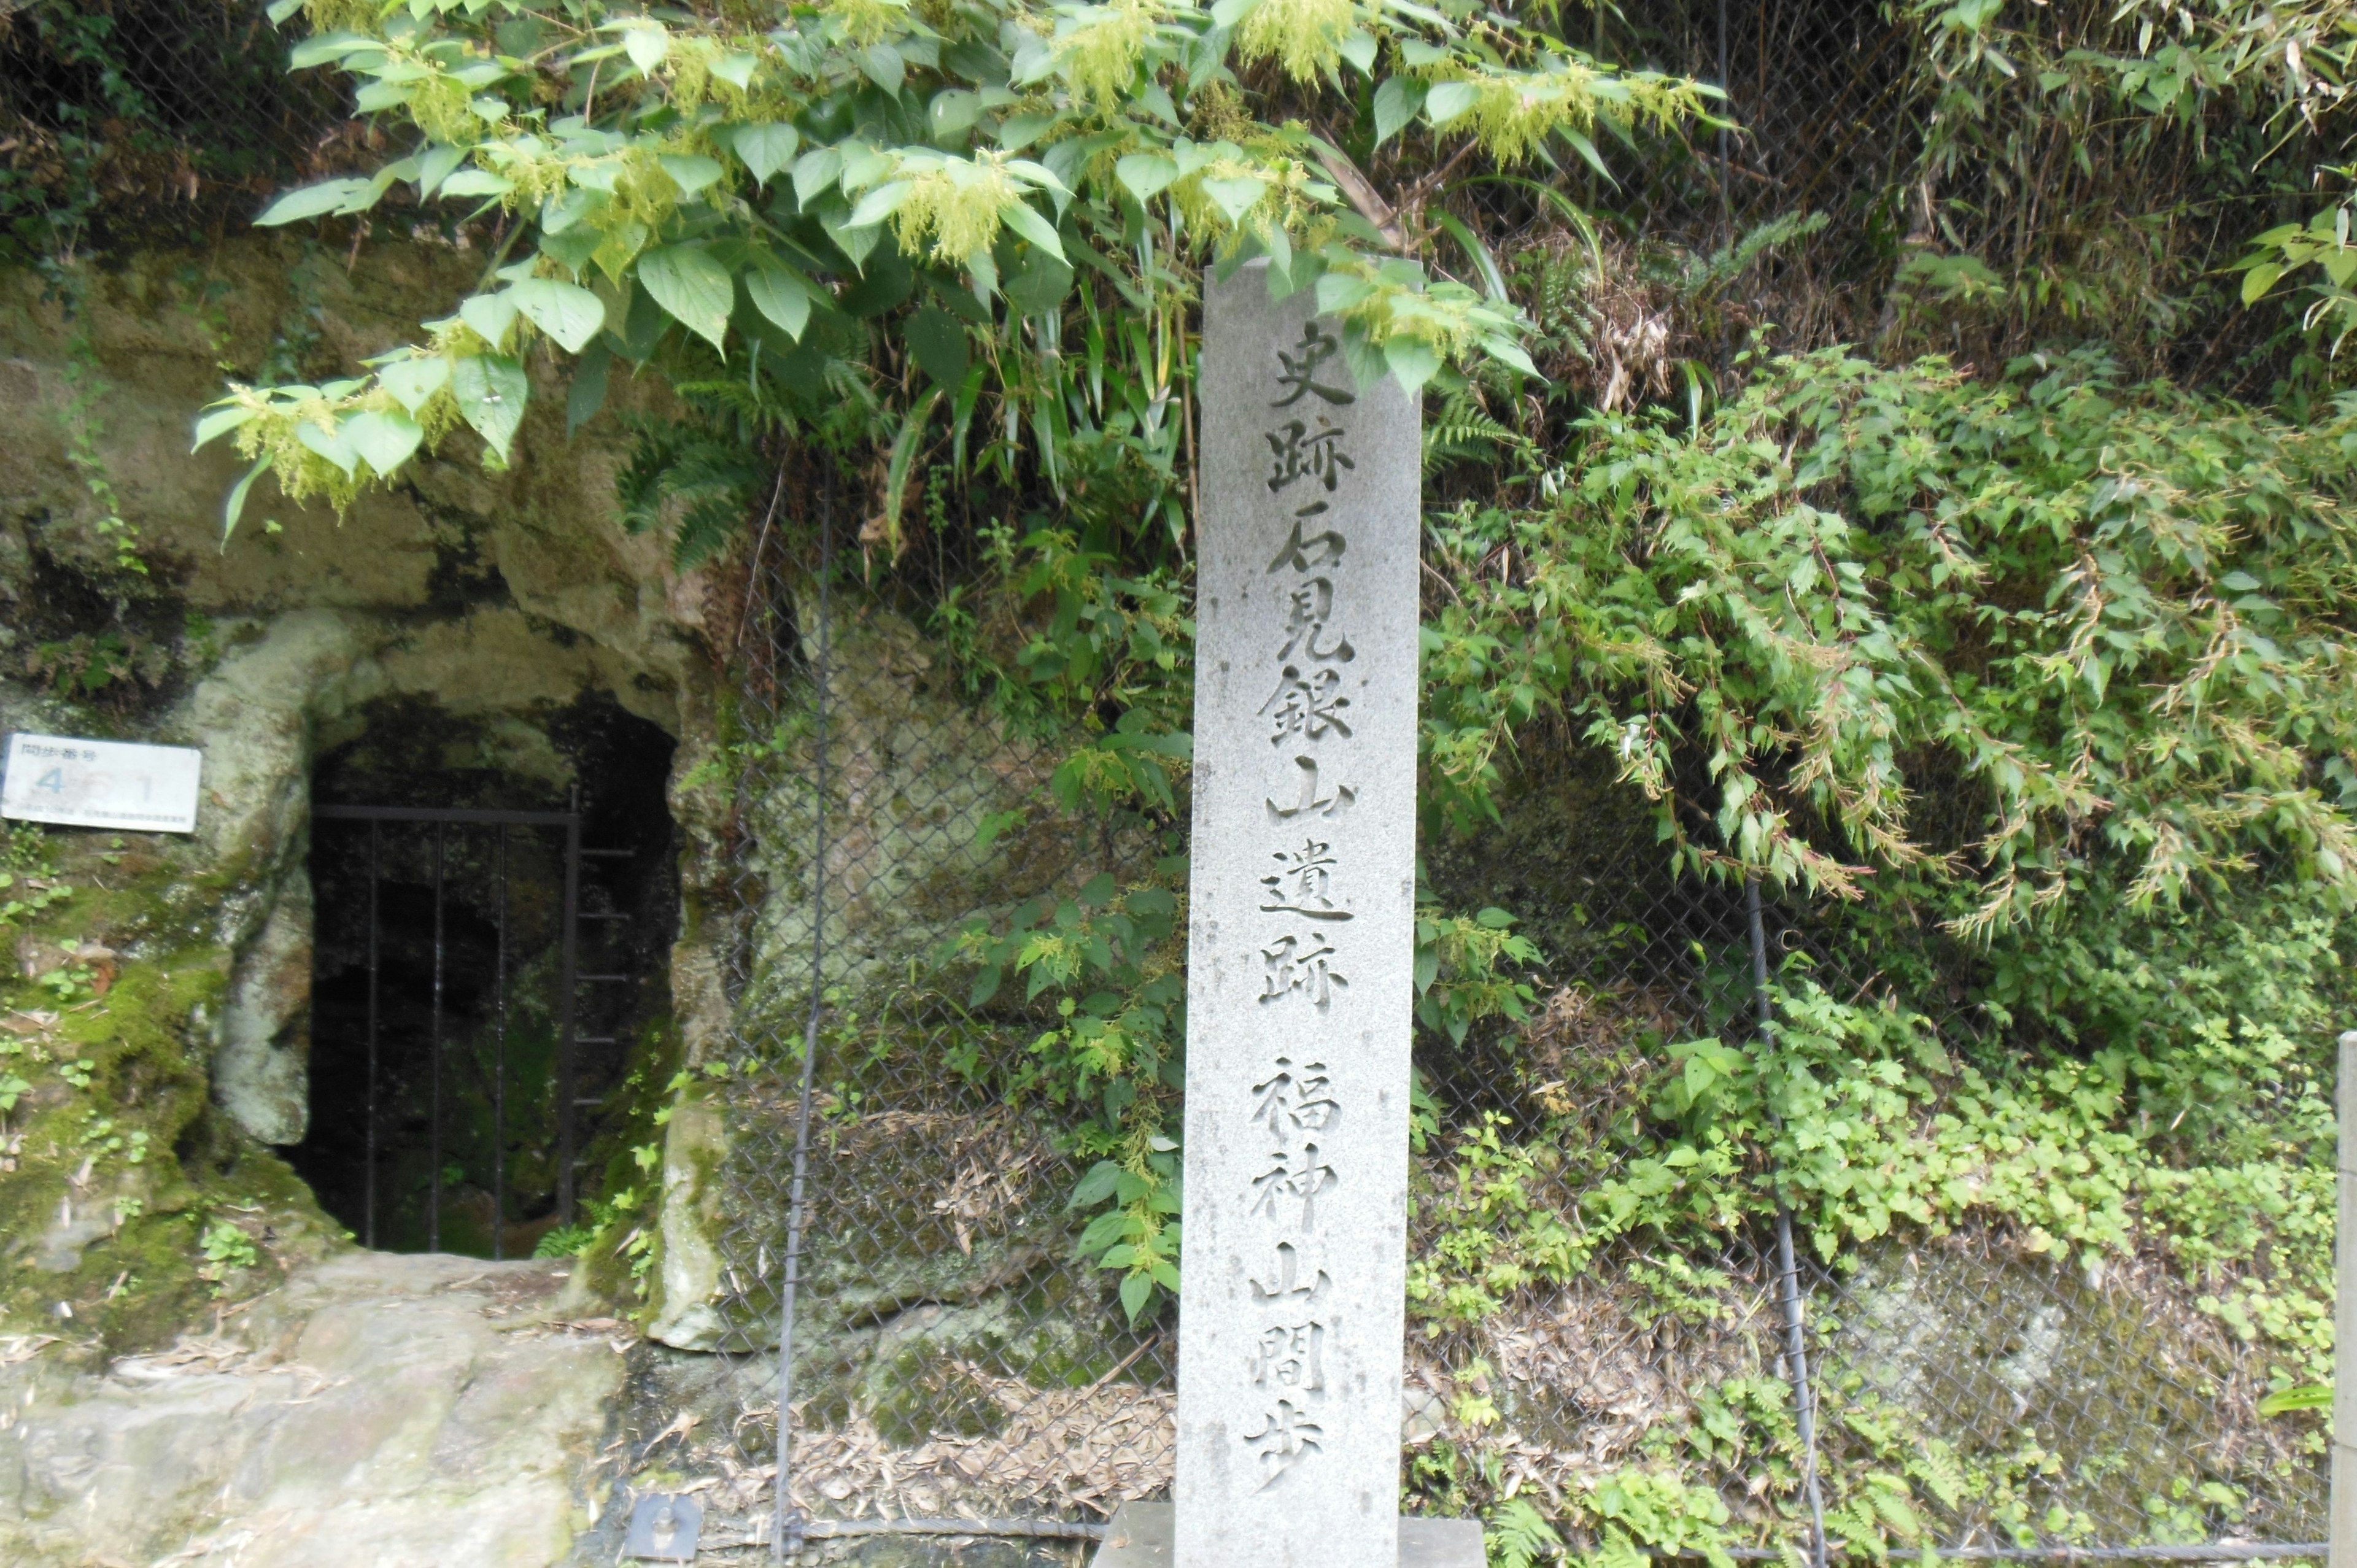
column 957, row 1368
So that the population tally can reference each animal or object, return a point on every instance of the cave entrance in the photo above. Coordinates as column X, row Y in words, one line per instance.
column 481, row 972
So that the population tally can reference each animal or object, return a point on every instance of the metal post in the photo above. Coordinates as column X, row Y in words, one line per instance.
column 2344, row 1321
column 500, row 1068
column 786, row 1526
column 1788, row 1267
column 434, row 1051
column 368, row 1179
column 567, row 985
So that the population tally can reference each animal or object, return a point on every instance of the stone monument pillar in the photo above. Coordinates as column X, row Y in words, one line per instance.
column 1301, row 960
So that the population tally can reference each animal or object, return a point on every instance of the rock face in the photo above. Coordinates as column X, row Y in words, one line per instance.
column 378, row 1410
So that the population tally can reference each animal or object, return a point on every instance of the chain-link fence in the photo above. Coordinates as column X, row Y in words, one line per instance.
column 958, row 1370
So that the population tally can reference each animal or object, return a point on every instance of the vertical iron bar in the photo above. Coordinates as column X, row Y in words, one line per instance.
column 368, row 1179
column 567, row 986
column 786, row 1526
column 1726, row 157
column 500, row 1068
column 434, row 1050
column 1788, row 1269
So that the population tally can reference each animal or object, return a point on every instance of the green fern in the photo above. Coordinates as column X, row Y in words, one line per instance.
column 1519, row 1536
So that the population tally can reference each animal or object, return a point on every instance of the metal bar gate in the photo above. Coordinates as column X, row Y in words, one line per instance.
column 567, row 1098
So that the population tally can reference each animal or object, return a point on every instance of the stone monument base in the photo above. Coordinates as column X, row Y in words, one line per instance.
column 1139, row 1537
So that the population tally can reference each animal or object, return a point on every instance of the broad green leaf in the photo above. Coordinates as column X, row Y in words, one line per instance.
column 1235, row 197
column 736, row 69
column 765, row 149
column 412, row 382
column 781, row 297
column 1020, row 217
column 329, row 45
column 236, row 507
column 383, row 439
column 1358, row 49
column 939, row 345
column 1396, row 101
column 648, row 44
column 815, row 171
column 952, row 112
column 879, row 203
column 884, row 67
column 1134, row 1291
column 1447, row 101
column 312, row 201
column 1145, row 174
column 569, row 314
column 476, row 182
column 490, row 315
column 690, row 172
column 492, row 389
column 436, row 163
column 2258, row 280
column 588, row 391
column 1228, row 13
column 220, row 422
column 692, row 287
column 335, row 446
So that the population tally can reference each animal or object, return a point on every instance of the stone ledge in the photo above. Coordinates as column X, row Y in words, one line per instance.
column 1139, row 1537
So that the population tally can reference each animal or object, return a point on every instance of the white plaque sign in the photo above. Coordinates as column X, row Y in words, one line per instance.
column 1301, row 948
column 101, row 784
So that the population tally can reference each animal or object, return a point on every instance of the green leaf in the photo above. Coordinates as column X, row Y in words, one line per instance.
column 781, row 297
column 569, row 314
column 1145, row 174
column 1447, row 101
column 328, row 46
column 476, row 182
column 236, row 506
column 588, row 393
column 437, row 164
column 1358, row 49
column 689, row 171
column 1135, row 1291
column 1412, row 363
column 692, row 288
column 884, row 67
column 492, row 389
column 1235, row 197
column 1095, row 1187
column 879, row 203
column 335, row 446
column 1020, row 217
column 766, row 149
column 383, row 439
column 814, row 171
column 1396, row 101
column 938, row 343
column 2311, row 1396
column 490, row 315
column 412, row 382
column 647, row 43
column 2259, row 279
column 736, row 69
column 313, row 201
column 220, row 422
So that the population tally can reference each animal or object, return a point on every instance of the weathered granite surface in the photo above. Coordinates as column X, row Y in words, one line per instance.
column 1301, row 947
column 1139, row 1537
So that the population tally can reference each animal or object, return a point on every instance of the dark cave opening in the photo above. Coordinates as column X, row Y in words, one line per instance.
column 439, row 1033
